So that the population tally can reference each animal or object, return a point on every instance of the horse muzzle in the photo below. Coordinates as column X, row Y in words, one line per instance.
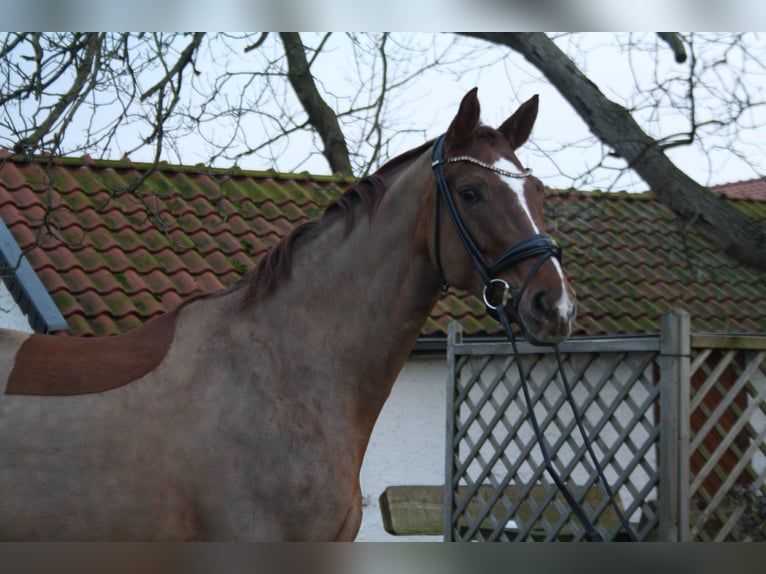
column 547, row 320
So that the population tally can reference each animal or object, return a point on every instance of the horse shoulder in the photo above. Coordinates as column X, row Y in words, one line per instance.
column 56, row 365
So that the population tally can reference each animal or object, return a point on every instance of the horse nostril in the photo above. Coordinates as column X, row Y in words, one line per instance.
column 538, row 304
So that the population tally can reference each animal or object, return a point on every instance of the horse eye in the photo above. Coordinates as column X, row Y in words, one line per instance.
column 470, row 195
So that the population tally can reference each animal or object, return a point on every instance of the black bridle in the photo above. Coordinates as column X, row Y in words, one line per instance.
column 543, row 247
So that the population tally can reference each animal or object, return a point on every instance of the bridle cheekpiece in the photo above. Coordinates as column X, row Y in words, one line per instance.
column 538, row 245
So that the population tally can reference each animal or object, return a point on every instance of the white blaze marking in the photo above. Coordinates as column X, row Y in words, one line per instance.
column 517, row 186
column 564, row 305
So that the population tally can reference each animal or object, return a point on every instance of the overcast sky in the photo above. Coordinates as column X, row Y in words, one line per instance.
column 432, row 100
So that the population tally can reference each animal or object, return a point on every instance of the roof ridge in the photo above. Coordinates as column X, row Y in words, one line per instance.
column 601, row 194
column 738, row 182
column 166, row 167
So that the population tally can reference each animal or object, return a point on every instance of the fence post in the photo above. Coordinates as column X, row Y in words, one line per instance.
column 675, row 351
column 454, row 337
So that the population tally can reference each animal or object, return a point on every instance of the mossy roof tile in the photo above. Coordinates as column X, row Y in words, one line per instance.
column 112, row 258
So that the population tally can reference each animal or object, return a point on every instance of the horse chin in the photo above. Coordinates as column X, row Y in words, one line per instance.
column 544, row 333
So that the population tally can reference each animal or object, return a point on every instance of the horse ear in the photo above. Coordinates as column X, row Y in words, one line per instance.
column 467, row 118
column 518, row 127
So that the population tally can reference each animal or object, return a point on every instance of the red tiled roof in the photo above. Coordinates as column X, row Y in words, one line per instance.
column 111, row 259
column 752, row 189
column 631, row 261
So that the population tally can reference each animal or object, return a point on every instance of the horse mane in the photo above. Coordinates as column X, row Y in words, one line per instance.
column 276, row 265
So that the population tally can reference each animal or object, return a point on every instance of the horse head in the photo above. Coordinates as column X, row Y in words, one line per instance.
column 495, row 246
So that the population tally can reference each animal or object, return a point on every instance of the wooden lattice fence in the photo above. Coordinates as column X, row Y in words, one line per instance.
column 678, row 422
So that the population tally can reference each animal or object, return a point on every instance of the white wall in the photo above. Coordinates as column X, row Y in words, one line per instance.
column 11, row 316
column 407, row 445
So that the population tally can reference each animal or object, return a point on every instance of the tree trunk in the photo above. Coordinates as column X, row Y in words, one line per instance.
column 729, row 230
column 321, row 116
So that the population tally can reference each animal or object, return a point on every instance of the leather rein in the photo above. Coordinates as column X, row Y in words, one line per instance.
column 542, row 247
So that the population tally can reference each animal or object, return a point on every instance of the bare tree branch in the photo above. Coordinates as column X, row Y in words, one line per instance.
column 258, row 43
column 674, row 41
column 376, row 128
column 743, row 239
column 321, row 116
column 84, row 69
column 186, row 57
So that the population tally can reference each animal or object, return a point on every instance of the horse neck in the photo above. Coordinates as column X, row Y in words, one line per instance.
column 356, row 304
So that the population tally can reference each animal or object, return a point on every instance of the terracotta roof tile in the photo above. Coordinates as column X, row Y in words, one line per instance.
column 184, row 283
column 208, row 282
column 112, row 259
column 147, row 304
column 753, row 189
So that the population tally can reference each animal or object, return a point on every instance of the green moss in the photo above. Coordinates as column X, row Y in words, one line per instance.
column 239, row 267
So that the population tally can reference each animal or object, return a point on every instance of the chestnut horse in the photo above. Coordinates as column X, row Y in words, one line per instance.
column 245, row 414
